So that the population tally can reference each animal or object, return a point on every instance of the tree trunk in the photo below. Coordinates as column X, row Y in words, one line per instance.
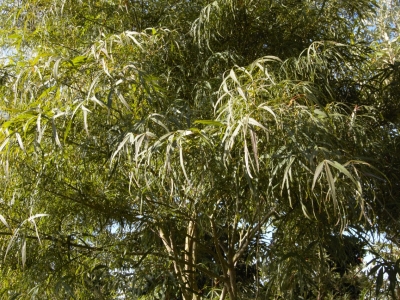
column 232, row 291
column 184, row 267
column 190, row 259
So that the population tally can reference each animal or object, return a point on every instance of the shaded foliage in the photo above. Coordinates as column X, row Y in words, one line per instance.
column 186, row 150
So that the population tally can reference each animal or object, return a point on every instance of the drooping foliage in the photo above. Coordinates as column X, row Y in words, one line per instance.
column 187, row 150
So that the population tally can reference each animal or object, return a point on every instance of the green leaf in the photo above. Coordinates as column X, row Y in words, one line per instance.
column 209, row 122
column 331, row 182
column 78, row 60
column 3, row 220
column 317, row 173
column 343, row 170
column 19, row 139
column 379, row 281
column 23, row 253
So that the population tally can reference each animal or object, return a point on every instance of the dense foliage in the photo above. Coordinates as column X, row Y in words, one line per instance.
column 235, row 149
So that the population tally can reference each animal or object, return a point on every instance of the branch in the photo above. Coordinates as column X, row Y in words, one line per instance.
column 217, row 247
column 75, row 245
column 249, row 234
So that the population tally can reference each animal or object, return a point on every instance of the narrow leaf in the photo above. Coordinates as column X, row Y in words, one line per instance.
column 182, row 162
column 97, row 101
column 10, row 243
column 55, row 134
column 157, row 121
column 39, row 130
column 241, row 93
column 209, row 122
column 3, row 220
column 122, row 99
column 19, row 139
column 253, row 137
column 85, row 112
column 233, row 76
column 5, row 142
column 37, row 216
column 379, row 281
column 23, row 254
column 246, row 158
column 331, row 183
column 342, row 169
column 129, row 137
column 268, row 109
column 256, row 123
column 318, row 171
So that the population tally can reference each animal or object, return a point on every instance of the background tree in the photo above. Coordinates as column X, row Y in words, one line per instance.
column 176, row 150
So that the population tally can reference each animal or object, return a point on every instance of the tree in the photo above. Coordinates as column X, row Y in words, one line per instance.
column 187, row 150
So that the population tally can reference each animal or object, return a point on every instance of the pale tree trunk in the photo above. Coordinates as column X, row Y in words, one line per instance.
column 232, row 279
column 227, row 268
column 190, row 259
column 174, row 256
column 184, row 268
